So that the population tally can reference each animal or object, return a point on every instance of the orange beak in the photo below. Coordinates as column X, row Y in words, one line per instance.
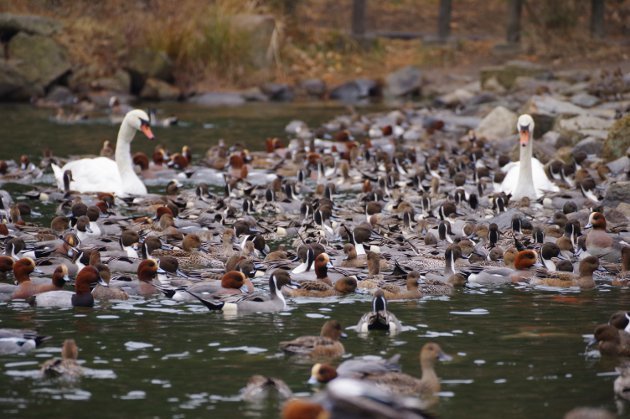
column 146, row 130
column 524, row 134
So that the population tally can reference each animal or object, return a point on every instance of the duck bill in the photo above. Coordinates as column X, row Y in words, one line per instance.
column 294, row 285
column 524, row 137
column 312, row 380
column 146, row 130
column 102, row 282
column 445, row 357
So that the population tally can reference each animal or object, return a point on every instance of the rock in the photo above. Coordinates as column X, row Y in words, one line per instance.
column 624, row 208
column 146, row 63
column 218, row 99
column 619, row 165
column 62, row 96
column 549, row 105
column 278, row 92
column 39, row 60
column 498, row 124
column 584, row 100
column 12, row 82
column 455, row 98
column 119, row 82
column 581, row 123
column 355, row 90
column 260, row 32
column 589, row 145
column 406, row 81
column 155, row 89
column 11, row 24
column 315, row 88
column 618, row 139
column 492, row 84
column 254, row 95
column 616, row 193
column 506, row 75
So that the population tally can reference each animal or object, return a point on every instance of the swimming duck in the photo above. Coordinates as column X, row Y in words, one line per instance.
column 320, row 289
column 21, row 271
column 352, row 260
column 409, row 292
column 232, row 283
column 326, row 345
column 403, row 384
column 612, row 341
column 66, row 367
column 256, row 303
column 101, row 292
column 13, row 341
column 102, row 174
column 598, row 242
column 82, row 297
column 584, row 279
column 260, row 387
column 321, row 263
column 379, row 318
column 623, row 276
column 527, row 178
column 358, row 367
column 524, row 260
column 59, row 279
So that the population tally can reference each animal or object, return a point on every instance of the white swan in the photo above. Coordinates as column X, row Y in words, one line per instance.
column 103, row 174
column 527, row 177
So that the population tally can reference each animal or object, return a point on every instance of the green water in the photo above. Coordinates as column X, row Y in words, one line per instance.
column 517, row 352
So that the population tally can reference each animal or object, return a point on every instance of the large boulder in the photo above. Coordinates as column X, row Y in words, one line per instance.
column 260, row 31
column 507, row 74
column 218, row 99
column 155, row 89
column 616, row 193
column 11, row 24
column 404, row 82
column 315, row 88
column 618, row 140
column 40, row 61
column 119, row 82
column 12, row 82
column 499, row 124
column 355, row 90
column 278, row 92
column 146, row 63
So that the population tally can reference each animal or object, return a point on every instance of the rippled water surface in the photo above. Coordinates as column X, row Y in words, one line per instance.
column 517, row 352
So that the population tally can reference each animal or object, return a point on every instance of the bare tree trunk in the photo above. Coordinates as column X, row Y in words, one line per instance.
column 358, row 18
column 444, row 20
column 515, row 7
column 597, row 18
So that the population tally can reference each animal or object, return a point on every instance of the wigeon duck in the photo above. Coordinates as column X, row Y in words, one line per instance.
column 105, row 175
column 13, row 341
column 6, row 265
column 326, row 345
column 527, row 177
column 621, row 320
column 523, row 261
column 379, row 318
column 67, row 367
column 101, row 292
column 256, row 303
column 403, row 384
column 612, row 341
column 260, row 387
column 231, row 283
column 584, row 279
column 82, row 297
column 21, row 272
column 320, row 289
column 303, row 409
column 59, row 279
column 598, row 242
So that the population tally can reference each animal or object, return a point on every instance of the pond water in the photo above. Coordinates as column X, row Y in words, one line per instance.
column 516, row 352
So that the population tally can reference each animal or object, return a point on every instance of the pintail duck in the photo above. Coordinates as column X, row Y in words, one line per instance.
column 359, row 367
column 326, row 345
column 82, row 297
column 256, row 303
column 13, row 341
column 612, row 341
column 321, row 264
column 379, row 318
column 192, row 256
column 320, row 289
column 352, row 260
column 66, row 367
column 584, row 279
column 527, row 177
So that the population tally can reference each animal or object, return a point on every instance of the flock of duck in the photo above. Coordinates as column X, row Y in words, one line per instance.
column 393, row 207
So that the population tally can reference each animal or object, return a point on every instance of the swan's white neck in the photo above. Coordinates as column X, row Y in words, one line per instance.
column 131, row 184
column 525, row 186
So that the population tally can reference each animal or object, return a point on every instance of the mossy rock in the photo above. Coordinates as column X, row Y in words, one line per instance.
column 11, row 24
column 618, row 139
column 507, row 74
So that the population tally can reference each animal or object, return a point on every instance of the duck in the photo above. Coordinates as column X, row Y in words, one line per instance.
column 598, row 242
column 67, row 367
column 82, row 297
column 379, row 318
column 523, row 261
column 359, row 367
column 411, row 291
column 621, row 385
column 145, row 286
column 526, row 178
column 623, row 276
column 326, row 345
column 14, row 341
column 612, row 341
column 352, row 260
column 59, row 279
column 231, row 283
column 320, row 289
column 584, row 279
column 321, row 264
column 103, row 174
column 21, row 272
column 105, row 293
column 261, row 387
column 274, row 302
column 403, row 384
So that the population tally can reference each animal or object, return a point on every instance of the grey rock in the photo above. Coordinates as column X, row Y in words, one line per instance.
column 218, row 99
column 314, row 87
column 584, row 100
column 617, row 193
column 455, row 98
column 620, row 165
column 589, row 145
column 355, row 90
column 254, row 95
column 403, row 82
column 39, row 59
column 61, row 95
column 584, row 122
column 146, row 63
column 278, row 92
column 119, row 82
column 624, row 208
column 549, row 105
column 498, row 124
column 12, row 82
column 155, row 89
column 11, row 24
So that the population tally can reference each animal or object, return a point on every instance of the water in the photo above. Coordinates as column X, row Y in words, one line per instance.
column 516, row 352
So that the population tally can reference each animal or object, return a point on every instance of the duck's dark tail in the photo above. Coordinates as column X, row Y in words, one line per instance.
column 209, row 304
